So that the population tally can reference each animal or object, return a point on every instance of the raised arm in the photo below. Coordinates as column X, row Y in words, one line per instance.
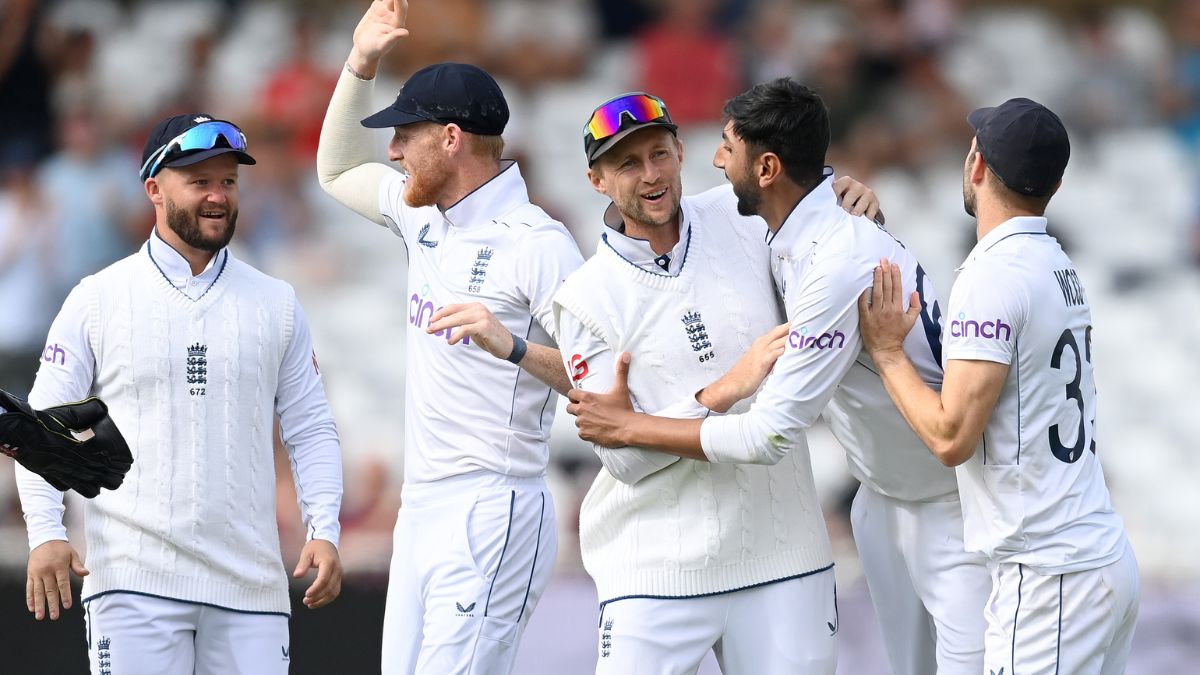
column 345, row 159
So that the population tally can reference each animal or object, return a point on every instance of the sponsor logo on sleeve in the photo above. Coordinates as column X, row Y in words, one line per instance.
column 55, row 354
column 995, row 329
column 579, row 367
column 802, row 338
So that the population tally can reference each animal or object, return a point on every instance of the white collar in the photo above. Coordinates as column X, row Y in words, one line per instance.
column 638, row 251
column 1010, row 227
column 176, row 269
column 498, row 196
column 810, row 210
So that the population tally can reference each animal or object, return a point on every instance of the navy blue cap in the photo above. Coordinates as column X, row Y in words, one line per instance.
column 167, row 130
column 1024, row 143
column 446, row 93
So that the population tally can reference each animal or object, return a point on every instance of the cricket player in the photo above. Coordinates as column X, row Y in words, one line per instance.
column 74, row 446
column 927, row 590
column 1016, row 413
column 684, row 283
column 195, row 353
column 475, row 540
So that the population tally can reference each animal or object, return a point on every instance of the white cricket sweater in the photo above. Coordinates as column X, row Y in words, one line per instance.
column 191, row 384
column 692, row 528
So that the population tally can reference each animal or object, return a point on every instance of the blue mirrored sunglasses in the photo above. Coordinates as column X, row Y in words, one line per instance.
column 203, row 136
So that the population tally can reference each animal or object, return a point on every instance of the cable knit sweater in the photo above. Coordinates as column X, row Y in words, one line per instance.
column 692, row 528
column 195, row 519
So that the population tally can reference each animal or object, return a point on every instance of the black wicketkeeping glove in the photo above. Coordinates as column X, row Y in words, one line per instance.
column 41, row 441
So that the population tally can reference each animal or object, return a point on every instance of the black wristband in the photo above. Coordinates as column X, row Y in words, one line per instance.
column 518, row 350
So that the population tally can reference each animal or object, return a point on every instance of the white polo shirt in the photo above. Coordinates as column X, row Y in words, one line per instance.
column 466, row 410
column 1034, row 491
column 823, row 258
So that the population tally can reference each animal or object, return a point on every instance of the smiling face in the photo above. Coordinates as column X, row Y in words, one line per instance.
column 733, row 157
column 200, row 202
column 418, row 148
column 642, row 175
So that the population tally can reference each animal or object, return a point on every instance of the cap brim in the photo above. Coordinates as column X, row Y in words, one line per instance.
column 197, row 157
column 391, row 117
column 620, row 135
column 980, row 116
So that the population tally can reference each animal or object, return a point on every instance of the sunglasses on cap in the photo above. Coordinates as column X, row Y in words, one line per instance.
column 203, row 136
column 638, row 108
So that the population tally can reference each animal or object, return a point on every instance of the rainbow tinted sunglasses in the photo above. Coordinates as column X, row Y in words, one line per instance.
column 203, row 136
column 637, row 107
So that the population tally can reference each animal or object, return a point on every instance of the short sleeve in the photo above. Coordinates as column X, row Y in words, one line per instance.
column 986, row 314
column 395, row 212
column 556, row 257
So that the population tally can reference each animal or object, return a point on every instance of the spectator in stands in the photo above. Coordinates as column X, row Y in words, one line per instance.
column 25, row 267
column 105, row 215
column 685, row 59
column 295, row 96
column 25, row 79
column 1110, row 90
column 537, row 41
column 1181, row 95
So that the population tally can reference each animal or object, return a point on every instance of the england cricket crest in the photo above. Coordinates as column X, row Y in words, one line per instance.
column 479, row 269
column 197, row 369
column 697, row 334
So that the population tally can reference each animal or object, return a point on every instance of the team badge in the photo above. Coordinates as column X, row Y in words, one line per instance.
column 104, row 655
column 479, row 269
column 197, row 369
column 697, row 334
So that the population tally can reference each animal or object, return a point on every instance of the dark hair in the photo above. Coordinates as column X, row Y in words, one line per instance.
column 788, row 119
column 1015, row 200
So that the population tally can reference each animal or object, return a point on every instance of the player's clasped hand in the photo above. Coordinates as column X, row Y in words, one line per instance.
column 41, row 440
column 322, row 555
column 881, row 314
column 601, row 417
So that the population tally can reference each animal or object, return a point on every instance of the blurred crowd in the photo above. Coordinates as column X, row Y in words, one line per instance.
column 82, row 81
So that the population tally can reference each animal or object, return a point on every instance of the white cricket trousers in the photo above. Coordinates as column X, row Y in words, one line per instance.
column 928, row 591
column 135, row 634
column 471, row 557
column 1080, row 623
column 780, row 628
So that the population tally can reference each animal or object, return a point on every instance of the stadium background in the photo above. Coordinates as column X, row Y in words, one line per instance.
column 81, row 82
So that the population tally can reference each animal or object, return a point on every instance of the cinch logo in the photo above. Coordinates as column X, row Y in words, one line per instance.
column 420, row 311
column 802, row 340
column 55, row 354
column 993, row 330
